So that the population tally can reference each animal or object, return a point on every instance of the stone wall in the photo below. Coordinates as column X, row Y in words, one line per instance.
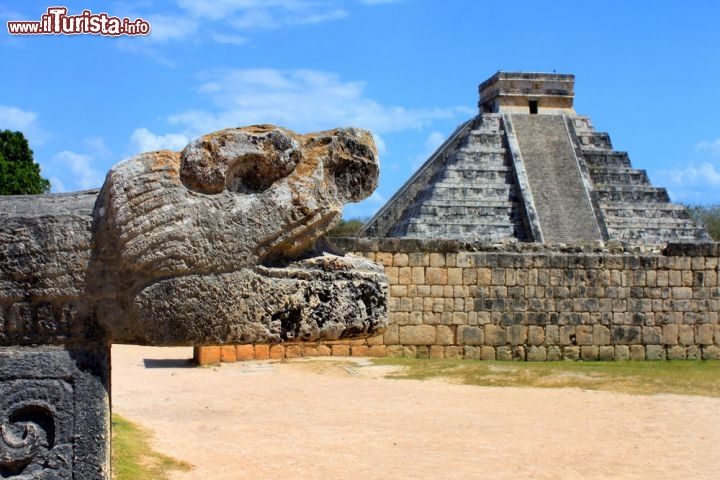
column 532, row 302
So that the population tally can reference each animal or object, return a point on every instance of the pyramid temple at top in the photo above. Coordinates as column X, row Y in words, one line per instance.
column 528, row 168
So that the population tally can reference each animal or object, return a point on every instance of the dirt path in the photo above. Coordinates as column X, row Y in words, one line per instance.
column 318, row 420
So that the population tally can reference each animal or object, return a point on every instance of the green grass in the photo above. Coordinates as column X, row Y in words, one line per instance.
column 132, row 457
column 681, row 377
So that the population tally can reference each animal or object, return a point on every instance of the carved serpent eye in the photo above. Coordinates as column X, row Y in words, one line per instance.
column 240, row 160
column 256, row 173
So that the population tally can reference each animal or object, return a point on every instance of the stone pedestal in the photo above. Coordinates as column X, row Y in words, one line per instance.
column 55, row 412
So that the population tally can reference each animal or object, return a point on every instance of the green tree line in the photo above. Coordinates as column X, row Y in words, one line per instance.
column 19, row 174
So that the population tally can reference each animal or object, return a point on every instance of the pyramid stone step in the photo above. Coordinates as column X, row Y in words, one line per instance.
column 612, row 159
column 604, row 176
column 594, row 141
column 632, row 194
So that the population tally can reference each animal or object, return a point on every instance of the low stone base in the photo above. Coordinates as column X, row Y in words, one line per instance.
column 359, row 348
column 55, row 412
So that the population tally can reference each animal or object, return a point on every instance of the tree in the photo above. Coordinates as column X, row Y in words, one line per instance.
column 346, row 228
column 709, row 217
column 19, row 174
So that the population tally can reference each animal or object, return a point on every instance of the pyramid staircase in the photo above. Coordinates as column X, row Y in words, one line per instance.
column 473, row 195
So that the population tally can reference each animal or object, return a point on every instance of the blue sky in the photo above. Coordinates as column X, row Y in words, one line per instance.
column 647, row 72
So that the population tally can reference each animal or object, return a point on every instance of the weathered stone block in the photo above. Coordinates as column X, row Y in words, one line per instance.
column 488, row 353
column 323, row 351
column 536, row 335
column 637, row 352
column 537, row 354
column 704, row 334
column 206, row 355
column 711, row 352
column 468, row 335
column 262, row 352
column 494, row 335
column 516, row 334
column 293, row 351
column 589, row 352
column 554, row 353
column 677, row 352
column 601, row 335
column 227, row 354
column 337, row 351
column 244, row 352
column 686, row 334
column 444, row 335
column 437, row 351
column 504, row 353
column 417, row 335
column 571, row 353
column 670, row 334
column 606, row 353
column 652, row 335
column 622, row 352
column 359, row 350
column 277, row 352
column 472, row 353
column 436, row 276
column 694, row 352
column 655, row 352
column 584, row 334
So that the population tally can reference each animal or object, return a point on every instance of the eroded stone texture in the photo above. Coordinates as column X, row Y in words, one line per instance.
column 207, row 245
column 221, row 242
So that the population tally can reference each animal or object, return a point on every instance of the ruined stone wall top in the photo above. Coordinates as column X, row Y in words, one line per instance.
column 516, row 92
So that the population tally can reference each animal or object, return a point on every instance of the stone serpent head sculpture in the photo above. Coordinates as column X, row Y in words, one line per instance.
column 219, row 243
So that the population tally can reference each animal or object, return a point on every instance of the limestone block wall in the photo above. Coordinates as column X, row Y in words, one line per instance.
column 532, row 302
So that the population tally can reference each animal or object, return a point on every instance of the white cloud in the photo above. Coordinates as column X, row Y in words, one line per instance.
column 303, row 100
column 229, row 39
column 694, row 183
column 164, row 28
column 143, row 140
column 433, row 141
column 70, row 171
column 13, row 118
column 430, row 144
column 709, row 145
column 16, row 119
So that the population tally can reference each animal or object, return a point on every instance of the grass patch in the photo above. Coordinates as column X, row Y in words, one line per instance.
column 132, row 457
column 647, row 378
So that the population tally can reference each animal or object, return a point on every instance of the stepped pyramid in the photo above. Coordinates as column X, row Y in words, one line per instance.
column 529, row 169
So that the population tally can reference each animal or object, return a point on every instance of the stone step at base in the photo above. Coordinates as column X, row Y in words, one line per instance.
column 464, row 231
column 637, row 222
column 657, row 235
column 644, row 210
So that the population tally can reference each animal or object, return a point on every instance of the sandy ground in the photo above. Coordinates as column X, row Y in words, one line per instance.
column 314, row 419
